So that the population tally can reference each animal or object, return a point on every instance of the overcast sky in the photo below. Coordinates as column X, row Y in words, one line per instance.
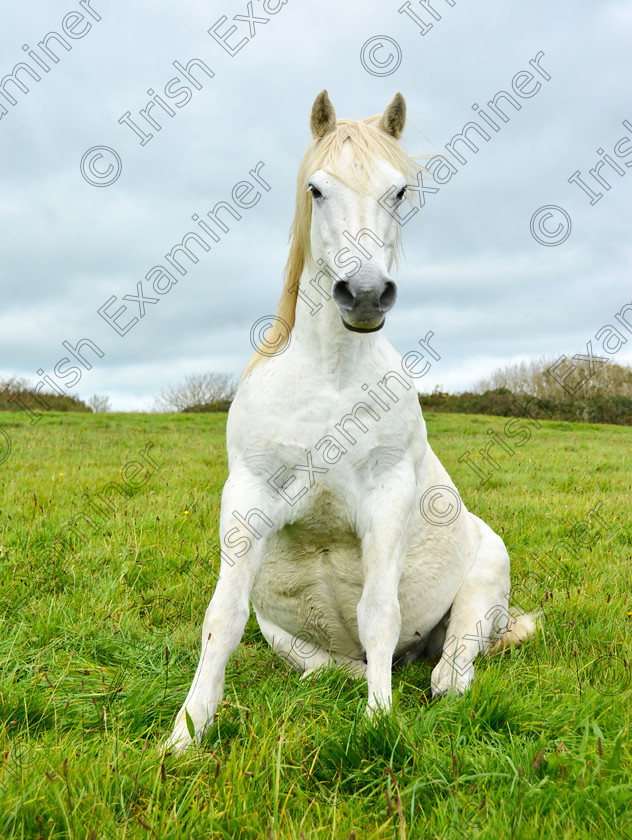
column 474, row 274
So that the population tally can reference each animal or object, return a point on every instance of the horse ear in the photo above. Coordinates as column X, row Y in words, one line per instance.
column 394, row 117
column 323, row 116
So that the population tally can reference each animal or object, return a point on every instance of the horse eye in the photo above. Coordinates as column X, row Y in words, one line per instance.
column 316, row 193
column 400, row 195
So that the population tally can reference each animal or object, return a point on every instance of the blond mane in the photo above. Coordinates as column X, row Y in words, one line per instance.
column 368, row 142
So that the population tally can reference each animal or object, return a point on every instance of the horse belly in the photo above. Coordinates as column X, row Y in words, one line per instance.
column 310, row 582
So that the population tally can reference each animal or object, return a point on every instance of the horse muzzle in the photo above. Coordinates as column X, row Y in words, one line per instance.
column 363, row 306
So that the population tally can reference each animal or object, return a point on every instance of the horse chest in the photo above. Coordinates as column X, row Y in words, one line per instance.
column 318, row 432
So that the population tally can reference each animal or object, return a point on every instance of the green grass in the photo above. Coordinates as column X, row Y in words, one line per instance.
column 87, row 693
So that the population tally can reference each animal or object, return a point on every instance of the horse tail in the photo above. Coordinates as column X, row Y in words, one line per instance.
column 518, row 629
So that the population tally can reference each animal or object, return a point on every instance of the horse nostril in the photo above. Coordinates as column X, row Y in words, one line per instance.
column 343, row 295
column 388, row 296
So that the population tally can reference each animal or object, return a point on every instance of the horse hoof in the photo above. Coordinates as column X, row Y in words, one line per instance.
column 448, row 680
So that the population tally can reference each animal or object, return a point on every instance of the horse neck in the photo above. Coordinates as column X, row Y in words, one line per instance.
column 328, row 348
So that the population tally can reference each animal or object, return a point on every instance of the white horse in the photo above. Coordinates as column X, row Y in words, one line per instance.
column 338, row 521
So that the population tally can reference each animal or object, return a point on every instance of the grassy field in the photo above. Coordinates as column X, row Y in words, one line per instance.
column 99, row 642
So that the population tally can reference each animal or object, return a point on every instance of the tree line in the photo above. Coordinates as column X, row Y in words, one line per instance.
column 584, row 391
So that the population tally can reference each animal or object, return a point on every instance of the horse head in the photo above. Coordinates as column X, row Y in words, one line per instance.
column 354, row 235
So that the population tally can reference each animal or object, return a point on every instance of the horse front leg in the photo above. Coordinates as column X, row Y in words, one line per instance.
column 379, row 617
column 242, row 547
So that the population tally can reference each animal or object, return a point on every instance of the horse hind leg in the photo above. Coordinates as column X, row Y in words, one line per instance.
column 479, row 620
column 303, row 653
